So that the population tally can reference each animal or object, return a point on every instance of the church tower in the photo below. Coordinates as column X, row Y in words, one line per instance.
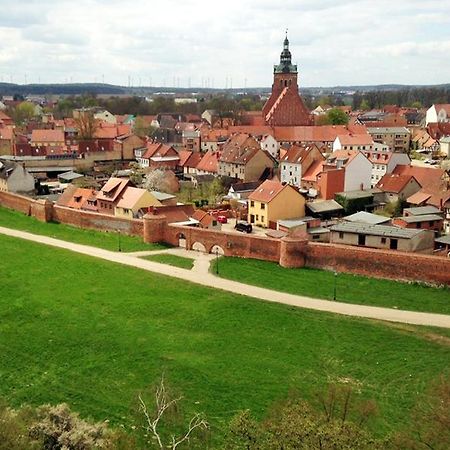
column 285, row 107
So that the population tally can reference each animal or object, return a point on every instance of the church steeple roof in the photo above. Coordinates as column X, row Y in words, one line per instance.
column 285, row 65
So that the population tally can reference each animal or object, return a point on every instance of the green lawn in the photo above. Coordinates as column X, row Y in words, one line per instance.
column 93, row 333
column 105, row 240
column 172, row 260
column 349, row 288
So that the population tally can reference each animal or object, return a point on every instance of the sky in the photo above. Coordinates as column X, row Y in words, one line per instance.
column 232, row 43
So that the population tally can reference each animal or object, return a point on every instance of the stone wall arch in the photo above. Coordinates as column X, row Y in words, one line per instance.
column 198, row 247
column 217, row 250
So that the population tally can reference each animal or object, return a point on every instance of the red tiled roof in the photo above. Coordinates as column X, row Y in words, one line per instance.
column 203, row 217
column 159, row 150
column 355, row 139
column 239, row 149
column 325, row 133
column 394, row 183
column 418, row 198
column 267, row 191
column 6, row 133
column 112, row 189
column 314, row 170
column 56, row 136
column 184, row 156
column 130, row 197
column 209, row 162
column 428, row 177
column 173, row 214
column 444, row 106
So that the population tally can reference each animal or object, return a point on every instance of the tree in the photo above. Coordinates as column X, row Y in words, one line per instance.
column 57, row 427
column 23, row 112
column 87, row 125
column 161, row 180
column 364, row 105
column 296, row 424
column 163, row 404
column 336, row 116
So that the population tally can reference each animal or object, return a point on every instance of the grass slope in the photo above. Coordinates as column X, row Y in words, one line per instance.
column 105, row 240
column 93, row 334
column 349, row 288
column 172, row 260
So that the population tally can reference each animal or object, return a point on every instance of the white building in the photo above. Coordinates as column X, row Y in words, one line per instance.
column 353, row 142
column 271, row 145
column 358, row 168
column 385, row 162
column 438, row 113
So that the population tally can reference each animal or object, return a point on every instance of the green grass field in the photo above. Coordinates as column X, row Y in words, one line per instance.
column 105, row 240
column 349, row 288
column 93, row 334
column 172, row 260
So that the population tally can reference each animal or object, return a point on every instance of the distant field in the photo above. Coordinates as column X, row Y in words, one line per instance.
column 349, row 288
column 105, row 240
column 172, row 260
column 93, row 334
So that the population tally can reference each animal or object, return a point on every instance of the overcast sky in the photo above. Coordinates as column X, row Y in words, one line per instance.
column 196, row 42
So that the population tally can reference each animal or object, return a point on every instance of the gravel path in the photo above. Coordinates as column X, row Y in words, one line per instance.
column 200, row 275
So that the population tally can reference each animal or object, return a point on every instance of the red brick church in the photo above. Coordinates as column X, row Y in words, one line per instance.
column 285, row 107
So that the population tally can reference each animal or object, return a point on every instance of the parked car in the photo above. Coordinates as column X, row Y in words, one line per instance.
column 244, row 227
column 222, row 219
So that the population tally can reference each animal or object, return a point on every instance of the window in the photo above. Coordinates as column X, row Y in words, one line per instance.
column 341, row 235
column 257, row 217
column 252, row 204
column 262, row 218
column 263, row 206
column 316, row 236
column 383, row 240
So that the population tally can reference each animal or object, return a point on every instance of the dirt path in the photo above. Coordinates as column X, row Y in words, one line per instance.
column 200, row 275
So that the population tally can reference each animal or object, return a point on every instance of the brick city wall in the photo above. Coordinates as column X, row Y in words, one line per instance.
column 46, row 211
column 289, row 252
column 379, row 263
column 102, row 222
column 232, row 244
column 16, row 202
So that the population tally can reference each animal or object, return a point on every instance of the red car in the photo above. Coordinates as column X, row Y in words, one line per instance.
column 222, row 219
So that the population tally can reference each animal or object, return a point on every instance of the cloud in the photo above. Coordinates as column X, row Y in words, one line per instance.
column 346, row 42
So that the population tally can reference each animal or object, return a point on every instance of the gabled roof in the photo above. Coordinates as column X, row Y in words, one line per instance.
column 355, row 139
column 444, row 106
column 131, row 196
column 314, row 170
column 297, row 154
column 184, row 156
column 394, row 183
column 268, row 190
column 47, row 136
column 418, row 198
column 159, row 150
column 428, row 177
column 209, row 162
column 113, row 188
column 6, row 133
column 239, row 149
column 193, row 160
column 203, row 217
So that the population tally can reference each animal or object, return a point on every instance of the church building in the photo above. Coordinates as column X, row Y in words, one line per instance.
column 285, row 107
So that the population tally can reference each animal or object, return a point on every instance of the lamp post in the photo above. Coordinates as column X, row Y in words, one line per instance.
column 217, row 261
column 334, row 290
column 120, row 243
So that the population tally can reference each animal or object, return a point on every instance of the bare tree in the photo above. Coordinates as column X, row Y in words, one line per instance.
column 162, row 404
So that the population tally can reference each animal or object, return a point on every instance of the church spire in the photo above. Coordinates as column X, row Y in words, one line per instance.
column 285, row 65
